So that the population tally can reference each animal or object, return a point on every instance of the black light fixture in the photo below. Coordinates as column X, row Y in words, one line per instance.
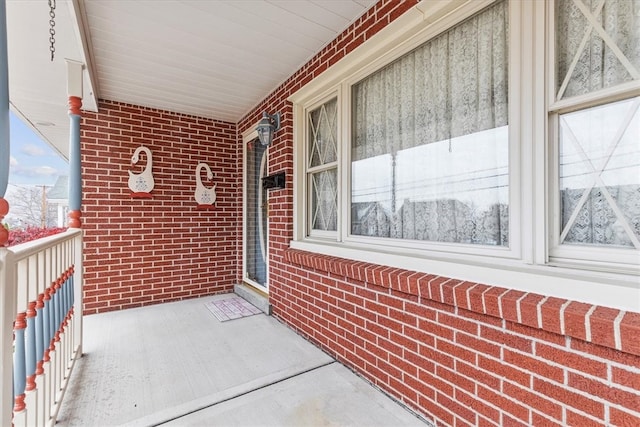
column 267, row 126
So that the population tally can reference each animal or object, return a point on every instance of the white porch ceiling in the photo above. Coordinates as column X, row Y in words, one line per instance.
column 210, row 58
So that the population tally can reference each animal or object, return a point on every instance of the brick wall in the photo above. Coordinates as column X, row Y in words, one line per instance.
column 459, row 353
column 466, row 354
column 145, row 251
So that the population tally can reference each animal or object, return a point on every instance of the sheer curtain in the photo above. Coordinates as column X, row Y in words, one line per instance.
column 597, row 64
column 322, row 166
column 430, row 142
column 599, row 146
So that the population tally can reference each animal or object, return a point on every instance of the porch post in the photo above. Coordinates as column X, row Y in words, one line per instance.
column 74, row 91
column 7, row 295
column 4, row 121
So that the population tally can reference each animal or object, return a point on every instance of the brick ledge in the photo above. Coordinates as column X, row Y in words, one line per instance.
column 608, row 327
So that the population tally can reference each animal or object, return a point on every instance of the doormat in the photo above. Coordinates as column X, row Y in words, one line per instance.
column 231, row 308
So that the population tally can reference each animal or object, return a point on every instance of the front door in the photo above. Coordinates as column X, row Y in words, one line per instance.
column 255, row 216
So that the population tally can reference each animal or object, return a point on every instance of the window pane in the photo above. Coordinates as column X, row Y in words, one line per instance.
column 324, row 200
column 322, row 134
column 600, row 175
column 591, row 57
column 430, row 139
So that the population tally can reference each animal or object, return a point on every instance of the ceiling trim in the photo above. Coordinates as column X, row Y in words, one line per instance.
column 78, row 13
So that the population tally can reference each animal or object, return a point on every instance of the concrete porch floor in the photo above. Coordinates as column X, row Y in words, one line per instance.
column 176, row 364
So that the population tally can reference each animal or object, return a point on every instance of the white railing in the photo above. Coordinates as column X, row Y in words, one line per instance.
column 41, row 326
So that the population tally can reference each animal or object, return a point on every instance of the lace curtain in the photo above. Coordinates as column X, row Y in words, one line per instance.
column 597, row 63
column 323, row 167
column 597, row 47
column 430, row 142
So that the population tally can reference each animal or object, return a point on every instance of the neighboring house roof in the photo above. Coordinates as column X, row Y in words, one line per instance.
column 59, row 193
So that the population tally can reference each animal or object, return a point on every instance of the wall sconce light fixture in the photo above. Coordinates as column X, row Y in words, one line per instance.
column 267, row 126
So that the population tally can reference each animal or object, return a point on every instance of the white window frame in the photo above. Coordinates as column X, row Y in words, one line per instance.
column 574, row 255
column 322, row 234
column 526, row 265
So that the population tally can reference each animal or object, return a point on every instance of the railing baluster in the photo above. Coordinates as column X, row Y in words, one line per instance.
column 31, row 347
column 40, row 337
column 46, row 323
column 40, row 346
column 19, row 365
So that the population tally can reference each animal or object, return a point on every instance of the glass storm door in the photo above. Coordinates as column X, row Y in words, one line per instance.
column 255, row 216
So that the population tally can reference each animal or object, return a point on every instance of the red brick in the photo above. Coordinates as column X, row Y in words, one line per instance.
column 492, row 301
column 601, row 321
column 448, row 289
column 454, row 378
column 533, row 365
column 458, row 409
column 400, row 390
column 479, row 345
column 481, row 318
column 456, row 351
column 521, row 412
column 480, row 407
column 507, row 339
column 610, row 394
column 458, row 323
column 630, row 333
column 529, row 309
column 509, row 303
column 508, row 421
column 420, row 387
column 461, row 294
column 484, row 422
column 626, row 378
column 542, row 421
column 533, row 400
column 575, row 419
column 435, row 288
column 475, row 298
column 570, row 398
column 435, row 329
column 500, row 369
column 550, row 312
column 574, row 319
column 435, row 381
column 436, row 410
column 623, row 418
column 572, row 360
column 420, row 336
column 491, row 380
column 537, row 334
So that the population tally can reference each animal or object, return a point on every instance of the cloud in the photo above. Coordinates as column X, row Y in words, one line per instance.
column 45, row 170
column 33, row 171
column 32, row 150
column 13, row 161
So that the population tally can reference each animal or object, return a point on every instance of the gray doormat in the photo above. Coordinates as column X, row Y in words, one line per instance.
column 231, row 308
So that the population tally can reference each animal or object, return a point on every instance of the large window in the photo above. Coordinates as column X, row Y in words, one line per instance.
column 429, row 145
column 595, row 118
column 490, row 140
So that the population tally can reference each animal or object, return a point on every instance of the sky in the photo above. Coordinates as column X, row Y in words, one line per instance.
column 32, row 165
column 32, row 160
